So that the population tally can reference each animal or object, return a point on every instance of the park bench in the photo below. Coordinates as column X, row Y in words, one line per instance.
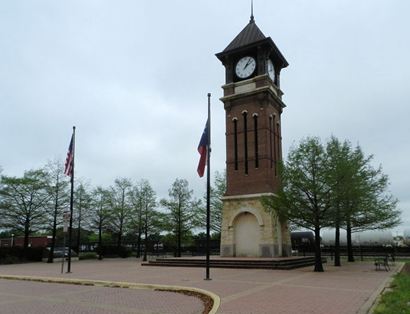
column 382, row 262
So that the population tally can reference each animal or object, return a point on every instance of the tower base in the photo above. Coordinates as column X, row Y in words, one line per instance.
column 248, row 230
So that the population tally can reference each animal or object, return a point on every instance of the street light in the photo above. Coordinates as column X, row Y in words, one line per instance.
column 12, row 239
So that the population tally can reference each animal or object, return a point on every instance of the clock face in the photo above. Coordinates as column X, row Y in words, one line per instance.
column 245, row 67
column 271, row 70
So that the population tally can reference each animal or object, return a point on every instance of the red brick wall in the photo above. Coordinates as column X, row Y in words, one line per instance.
column 261, row 179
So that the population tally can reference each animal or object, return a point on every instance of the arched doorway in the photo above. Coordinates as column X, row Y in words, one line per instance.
column 246, row 235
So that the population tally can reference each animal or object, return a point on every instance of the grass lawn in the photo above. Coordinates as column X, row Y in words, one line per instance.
column 397, row 301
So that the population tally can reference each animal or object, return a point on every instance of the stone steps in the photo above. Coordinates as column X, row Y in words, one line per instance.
column 279, row 263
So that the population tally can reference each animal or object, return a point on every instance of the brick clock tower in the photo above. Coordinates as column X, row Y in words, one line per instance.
column 253, row 105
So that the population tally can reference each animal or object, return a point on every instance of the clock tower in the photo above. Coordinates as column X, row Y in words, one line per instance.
column 253, row 105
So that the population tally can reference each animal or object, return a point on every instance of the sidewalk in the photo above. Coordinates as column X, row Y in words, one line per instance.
column 351, row 288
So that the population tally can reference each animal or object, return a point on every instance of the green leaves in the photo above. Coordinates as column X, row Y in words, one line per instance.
column 303, row 196
column 181, row 209
column 324, row 184
column 333, row 185
column 217, row 192
column 23, row 202
column 359, row 189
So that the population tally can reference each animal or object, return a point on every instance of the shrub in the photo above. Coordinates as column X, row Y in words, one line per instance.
column 87, row 255
column 12, row 255
column 114, row 251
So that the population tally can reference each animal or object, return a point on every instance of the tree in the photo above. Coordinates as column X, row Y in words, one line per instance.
column 23, row 202
column 303, row 197
column 59, row 199
column 147, row 219
column 136, row 200
column 334, row 187
column 120, row 207
column 340, row 173
column 217, row 192
column 82, row 203
column 182, row 209
column 359, row 198
column 99, row 214
column 368, row 203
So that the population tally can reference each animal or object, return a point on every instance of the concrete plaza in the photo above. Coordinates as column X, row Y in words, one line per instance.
column 351, row 288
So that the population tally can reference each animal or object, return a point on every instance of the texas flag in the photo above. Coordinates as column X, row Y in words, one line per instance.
column 202, row 150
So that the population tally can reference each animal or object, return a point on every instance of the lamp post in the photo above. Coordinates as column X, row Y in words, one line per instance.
column 12, row 240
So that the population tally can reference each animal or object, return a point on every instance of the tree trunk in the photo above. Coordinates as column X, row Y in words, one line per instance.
column 139, row 228
column 145, row 244
column 179, row 240
column 318, row 254
column 79, row 229
column 337, row 237
column 337, row 246
column 139, row 242
column 119, row 239
column 350, row 257
column 26, row 233
column 53, row 237
column 100, row 240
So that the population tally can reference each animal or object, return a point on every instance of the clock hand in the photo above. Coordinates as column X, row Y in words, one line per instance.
column 249, row 61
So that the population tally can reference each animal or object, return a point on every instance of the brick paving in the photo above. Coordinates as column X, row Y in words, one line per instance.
column 39, row 298
column 340, row 290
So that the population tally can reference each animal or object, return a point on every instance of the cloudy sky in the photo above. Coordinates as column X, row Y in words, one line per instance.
column 132, row 76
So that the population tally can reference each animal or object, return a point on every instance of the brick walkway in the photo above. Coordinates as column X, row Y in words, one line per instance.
column 40, row 298
column 339, row 290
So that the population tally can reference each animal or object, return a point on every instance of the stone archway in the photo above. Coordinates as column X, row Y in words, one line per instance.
column 247, row 235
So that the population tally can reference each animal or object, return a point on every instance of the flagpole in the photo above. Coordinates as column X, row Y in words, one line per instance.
column 71, row 208
column 208, row 188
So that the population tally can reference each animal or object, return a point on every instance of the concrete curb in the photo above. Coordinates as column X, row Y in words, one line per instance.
column 118, row 284
column 374, row 299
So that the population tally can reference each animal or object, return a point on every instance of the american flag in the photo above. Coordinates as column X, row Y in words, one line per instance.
column 69, row 162
column 202, row 150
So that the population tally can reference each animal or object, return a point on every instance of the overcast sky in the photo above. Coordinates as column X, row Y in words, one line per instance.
column 133, row 76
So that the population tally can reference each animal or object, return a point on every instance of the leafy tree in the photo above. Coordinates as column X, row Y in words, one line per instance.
column 82, row 204
column 359, row 197
column 340, row 174
column 137, row 203
column 217, row 192
column 143, row 198
column 120, row 207
column 99, row 213
column 303, row 197
column 23, row 202
column 59, row 199
column 182, row 209
column 368, row 203
column 334, row 187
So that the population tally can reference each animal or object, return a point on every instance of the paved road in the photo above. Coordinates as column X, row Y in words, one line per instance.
column 339, row 290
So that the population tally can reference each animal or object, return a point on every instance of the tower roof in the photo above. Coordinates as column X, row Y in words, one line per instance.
column 250, row 34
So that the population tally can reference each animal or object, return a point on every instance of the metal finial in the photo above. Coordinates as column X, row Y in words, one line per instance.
column 252, row 18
